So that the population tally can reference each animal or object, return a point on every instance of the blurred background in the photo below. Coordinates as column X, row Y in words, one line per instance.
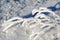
column 20, row 8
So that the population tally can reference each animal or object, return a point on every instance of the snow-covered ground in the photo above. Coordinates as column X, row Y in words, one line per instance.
column 25, row 19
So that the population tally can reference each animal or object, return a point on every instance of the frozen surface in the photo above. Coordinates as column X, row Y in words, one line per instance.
column 15, row 13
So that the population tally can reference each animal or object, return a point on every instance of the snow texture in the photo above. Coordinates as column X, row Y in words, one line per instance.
column 29, row 19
